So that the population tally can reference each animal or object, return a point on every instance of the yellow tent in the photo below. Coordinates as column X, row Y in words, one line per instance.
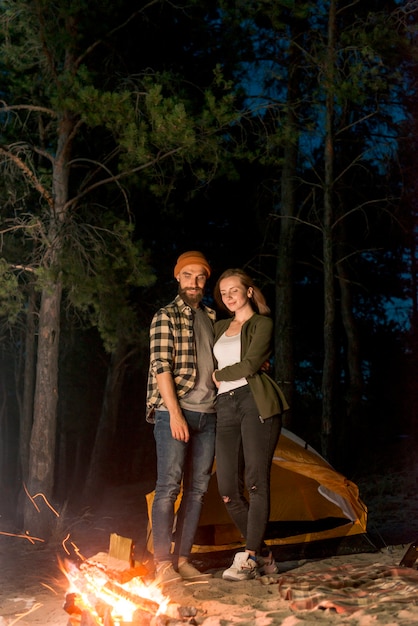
column 310, row 501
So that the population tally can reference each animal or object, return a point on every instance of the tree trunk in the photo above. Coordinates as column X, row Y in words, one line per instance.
column 26, row 408
column 105, row 433
column 330, row 351
column 412, row 362
column 43, row 436
column 42, row 442
column 284, row 339
column 3, row 443
column 28, row 386
column 284, row 356
column 352, row 426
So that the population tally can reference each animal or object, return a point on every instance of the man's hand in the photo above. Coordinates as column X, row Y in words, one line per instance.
column 178, row 425
column 179, row 428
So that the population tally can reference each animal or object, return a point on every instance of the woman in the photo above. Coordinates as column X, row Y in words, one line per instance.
column 249, row 406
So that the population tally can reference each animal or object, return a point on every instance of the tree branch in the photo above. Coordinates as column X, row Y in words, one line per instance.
column 94, row 45
column 31, row 108
column 116, row 177
column 25, row 268
column 29, row 175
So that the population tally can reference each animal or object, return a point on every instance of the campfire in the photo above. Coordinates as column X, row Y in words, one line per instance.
column 111, row 589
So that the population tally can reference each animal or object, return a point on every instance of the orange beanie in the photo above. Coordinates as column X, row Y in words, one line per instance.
column 191, row 258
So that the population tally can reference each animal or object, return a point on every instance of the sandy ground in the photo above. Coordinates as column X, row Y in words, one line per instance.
column 362, row 588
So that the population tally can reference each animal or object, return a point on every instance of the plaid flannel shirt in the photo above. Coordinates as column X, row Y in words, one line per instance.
column 172, row 349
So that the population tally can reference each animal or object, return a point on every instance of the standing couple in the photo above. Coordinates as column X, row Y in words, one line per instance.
column 206, row 394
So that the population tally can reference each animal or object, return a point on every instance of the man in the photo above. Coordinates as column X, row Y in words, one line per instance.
column 180, row 404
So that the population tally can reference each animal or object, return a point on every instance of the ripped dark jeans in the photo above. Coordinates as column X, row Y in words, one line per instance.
column 244, row 451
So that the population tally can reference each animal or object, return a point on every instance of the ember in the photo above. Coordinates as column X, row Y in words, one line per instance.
column 106, row 591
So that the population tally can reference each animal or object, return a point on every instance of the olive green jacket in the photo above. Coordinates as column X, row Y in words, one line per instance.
column 256, row 349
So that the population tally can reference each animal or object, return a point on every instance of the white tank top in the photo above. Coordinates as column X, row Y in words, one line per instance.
column 227, row 351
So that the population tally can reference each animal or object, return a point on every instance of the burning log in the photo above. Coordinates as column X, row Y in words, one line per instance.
column 119, row 561
column 87, row 619
column 109, row 591
column 140, row 617
column 83, row 617
column 150, row 606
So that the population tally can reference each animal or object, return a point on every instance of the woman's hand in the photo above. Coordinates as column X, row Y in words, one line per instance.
column 217, row 383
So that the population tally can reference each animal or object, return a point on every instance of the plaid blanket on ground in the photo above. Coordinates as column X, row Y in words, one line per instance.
column 348, row 588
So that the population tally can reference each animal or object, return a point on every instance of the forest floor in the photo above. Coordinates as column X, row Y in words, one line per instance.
column 361, row 588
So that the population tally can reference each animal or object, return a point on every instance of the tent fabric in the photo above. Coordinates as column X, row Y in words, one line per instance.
column 309, row 501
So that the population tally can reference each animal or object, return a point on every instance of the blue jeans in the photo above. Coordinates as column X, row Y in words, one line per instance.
column 244, row 451
column 178, row 461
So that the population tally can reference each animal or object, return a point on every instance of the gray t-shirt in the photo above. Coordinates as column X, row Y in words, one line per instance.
column 202, row 397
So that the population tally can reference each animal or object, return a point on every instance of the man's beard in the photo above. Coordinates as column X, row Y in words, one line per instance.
column 193, row 299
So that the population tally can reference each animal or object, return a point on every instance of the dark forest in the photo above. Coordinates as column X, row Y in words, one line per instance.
column 280, row 137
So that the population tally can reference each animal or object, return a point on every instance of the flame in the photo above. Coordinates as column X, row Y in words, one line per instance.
column 93, row 587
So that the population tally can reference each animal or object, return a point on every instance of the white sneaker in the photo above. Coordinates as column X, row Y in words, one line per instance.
column 243, row 568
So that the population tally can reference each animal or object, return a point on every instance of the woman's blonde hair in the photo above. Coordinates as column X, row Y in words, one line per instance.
column 258, row 301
